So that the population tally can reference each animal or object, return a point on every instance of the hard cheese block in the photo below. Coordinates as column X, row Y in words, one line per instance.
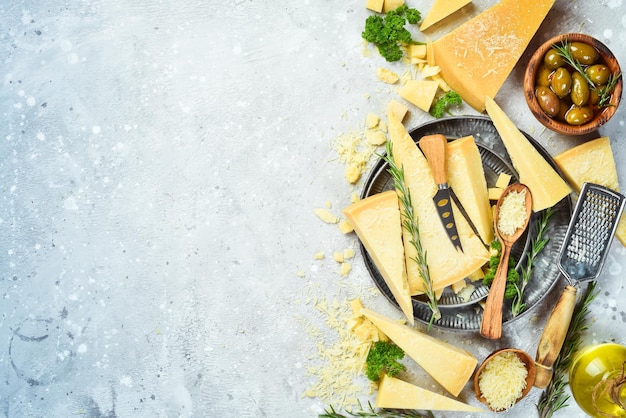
column 477, row 57
column 545, row 184
column 446, row 265
column 450, row 366
column 440, row 10
column 592, row 162
column 467, row 178
column 398, row 394
column 378, row 224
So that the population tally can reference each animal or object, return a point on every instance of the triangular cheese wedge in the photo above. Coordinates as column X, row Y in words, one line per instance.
column 440, row 10
column 446, row 265
column 592, row 162
column 477, row 57
column 398, row 394
column 545, row 184
column 450, row 366
column 467, row 178
column 377, row 222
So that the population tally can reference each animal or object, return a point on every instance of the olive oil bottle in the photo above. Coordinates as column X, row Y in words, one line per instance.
column 597, row 380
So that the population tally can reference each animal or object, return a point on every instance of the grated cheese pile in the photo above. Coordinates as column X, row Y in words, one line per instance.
column 340, row 375
column 502, row 380
column 512, row 212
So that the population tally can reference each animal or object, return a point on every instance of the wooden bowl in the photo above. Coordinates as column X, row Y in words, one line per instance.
column 601, row 116
column 530, row 378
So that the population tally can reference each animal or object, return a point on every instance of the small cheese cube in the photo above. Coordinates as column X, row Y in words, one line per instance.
column 416, row 51
column 387, row 76
column 430, row 71
column 392, row 5
column 503, row 180
column 420, row 92
column 495, row 193
column 477, row 275
column 375, row 5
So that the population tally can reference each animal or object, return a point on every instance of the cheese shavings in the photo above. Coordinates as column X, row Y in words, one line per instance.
column 503, row 380
column 512, row 212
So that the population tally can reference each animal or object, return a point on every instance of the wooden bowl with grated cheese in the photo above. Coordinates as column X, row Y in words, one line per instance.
column 504, row 378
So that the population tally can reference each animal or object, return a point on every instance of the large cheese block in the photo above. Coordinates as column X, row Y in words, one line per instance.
column 440, row 10
column 477, row 57
column 449, row 365
column 546, row 185
column 467, row 178
column 377, row 222
column 398, row 394
column 592, row 162
column 446, row 265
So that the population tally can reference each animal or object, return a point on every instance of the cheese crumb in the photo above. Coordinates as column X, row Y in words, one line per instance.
column 387, row 76
column 512, row 212
column 353, row 173
column 345, row 269
column 345, row 227
column 503, row 380
column 326, row 216
column 371, row 121
column 375, row 137
column 319, row 256
column 348, row 253
column 338, row 256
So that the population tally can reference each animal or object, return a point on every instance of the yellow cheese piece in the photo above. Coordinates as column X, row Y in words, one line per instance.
column 392, row 5
column 503, row 180
column 449, row 365
column 467, row 178
column 398, row 108
column 440, row 10
column 420, row 92
column 396, row 393
column 375, row 5
column 446, row 265
column 477, row 57
column 378, row 224
column 545, row 184
column 387, row 76
column 495, row 193
column 416, row 51
column 593, row 162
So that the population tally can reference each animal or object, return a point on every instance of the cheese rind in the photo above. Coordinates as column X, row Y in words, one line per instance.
column 467, row 178
column 449, row 365
column 446, row 265
column 545, row 184
column 378, row 224
column 396, row 393
column 440, row 10
column 593, row 162
column 477, row 57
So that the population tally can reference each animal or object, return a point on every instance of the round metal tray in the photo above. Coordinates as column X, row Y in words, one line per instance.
column 456, row 313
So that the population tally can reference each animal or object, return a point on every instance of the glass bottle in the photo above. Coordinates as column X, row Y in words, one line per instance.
column 589, row 372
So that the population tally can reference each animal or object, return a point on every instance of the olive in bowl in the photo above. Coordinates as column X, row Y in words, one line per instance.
column 573, row 84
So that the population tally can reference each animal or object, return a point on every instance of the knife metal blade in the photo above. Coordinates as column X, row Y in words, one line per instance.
column 434, row 149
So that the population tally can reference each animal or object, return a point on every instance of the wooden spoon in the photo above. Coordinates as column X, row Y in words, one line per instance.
column 491, row 326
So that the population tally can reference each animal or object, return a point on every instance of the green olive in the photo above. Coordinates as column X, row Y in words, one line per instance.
column 548, row 101
column 598, row 73
column 583, row 53
column 580, row 89
column 563, row 109
column 579, row 115
column 543, row 76
column 561, row 82
column 553, row 60
column 594, row 98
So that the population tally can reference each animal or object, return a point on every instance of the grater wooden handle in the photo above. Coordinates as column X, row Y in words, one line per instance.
column 554, row 335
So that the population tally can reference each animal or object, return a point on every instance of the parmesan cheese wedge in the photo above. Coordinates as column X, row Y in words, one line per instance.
column 378, row 224
column 467, row 178
column 396, row 393
column 478, row 56
column 449, row 365
column 420, row 92
column 445, row 264
column 440, row 10
column 592, row 162
column 545, row 184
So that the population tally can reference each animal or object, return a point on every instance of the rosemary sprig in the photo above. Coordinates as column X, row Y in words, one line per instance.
column 554, row 397
column 537, row 245
column 410, row 222
column 604, row 92
column 370, row 412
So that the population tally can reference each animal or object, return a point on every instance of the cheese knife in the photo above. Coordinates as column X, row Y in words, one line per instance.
column 434, row 149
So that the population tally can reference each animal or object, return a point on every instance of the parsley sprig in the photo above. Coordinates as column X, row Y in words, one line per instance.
column 388, row 33
column 410, row 222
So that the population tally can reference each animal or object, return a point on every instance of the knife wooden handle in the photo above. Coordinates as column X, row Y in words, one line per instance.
column 491, row 325
column 434, row 149
column 554, row 335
